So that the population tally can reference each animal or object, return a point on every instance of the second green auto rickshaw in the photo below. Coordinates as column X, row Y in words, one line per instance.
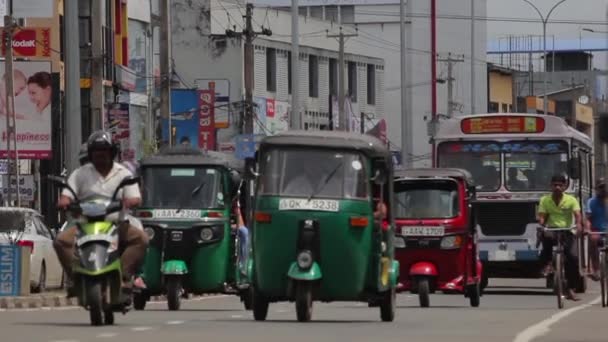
column 323, row 223
column 188, row 198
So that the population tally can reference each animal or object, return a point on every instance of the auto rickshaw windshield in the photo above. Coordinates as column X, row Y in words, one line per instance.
column 426, row 199
column 183, row 187
column 313, row 173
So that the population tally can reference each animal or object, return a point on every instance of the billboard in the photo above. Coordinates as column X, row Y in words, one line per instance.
column 184, row 118
column 29, row 42
column 33, row 94
column 222, row 99
column 206, row 127
column 119, row 125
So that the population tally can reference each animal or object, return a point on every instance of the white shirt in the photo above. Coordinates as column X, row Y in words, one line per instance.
column 87, row 182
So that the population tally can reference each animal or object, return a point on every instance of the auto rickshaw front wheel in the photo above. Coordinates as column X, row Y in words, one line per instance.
column 139, row 301
column 259, row 305
column 304, row 301
column 423, row 292
column 388, row 305
column 174, row 288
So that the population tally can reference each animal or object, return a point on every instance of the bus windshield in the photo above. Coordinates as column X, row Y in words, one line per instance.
column 527, row 165
column 319, row 173
column 173, row 187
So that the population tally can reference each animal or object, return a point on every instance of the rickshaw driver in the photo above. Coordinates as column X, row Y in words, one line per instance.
column 556, row 211
column 101, row 177
column 596, row 222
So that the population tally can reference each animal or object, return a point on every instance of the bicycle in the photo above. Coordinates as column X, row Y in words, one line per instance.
column 559, row 269
column 603, row 258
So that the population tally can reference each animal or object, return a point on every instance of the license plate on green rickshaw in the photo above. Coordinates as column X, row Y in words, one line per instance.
column 174, row 213
column 305, row 204
column 423, row 231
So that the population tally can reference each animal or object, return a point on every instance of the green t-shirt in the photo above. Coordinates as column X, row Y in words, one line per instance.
column 560, row 216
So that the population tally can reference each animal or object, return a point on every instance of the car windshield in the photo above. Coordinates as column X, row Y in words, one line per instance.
column 319, row 173
column 531, row 166
column 426, row 199
column 481, row 161
column 11, row 221
column 173, row 187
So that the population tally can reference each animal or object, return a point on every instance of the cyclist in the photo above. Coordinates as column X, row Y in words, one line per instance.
column 596, row 222
column 556, row 211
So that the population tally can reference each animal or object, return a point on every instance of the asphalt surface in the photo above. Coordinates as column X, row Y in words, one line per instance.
column 511, row 310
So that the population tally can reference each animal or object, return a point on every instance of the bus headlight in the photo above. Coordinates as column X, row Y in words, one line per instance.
column 452, row 241
column 305, row 259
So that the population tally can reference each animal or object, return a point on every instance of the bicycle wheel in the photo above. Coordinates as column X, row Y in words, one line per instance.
column 558, row 281
column 603, row 279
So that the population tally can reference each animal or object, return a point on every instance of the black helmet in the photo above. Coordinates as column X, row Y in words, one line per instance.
column 101, row 140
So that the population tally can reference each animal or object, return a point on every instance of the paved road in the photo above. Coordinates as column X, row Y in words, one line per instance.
column 507, row 313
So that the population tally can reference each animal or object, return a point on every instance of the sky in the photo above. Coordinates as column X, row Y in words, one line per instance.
column 583, row 11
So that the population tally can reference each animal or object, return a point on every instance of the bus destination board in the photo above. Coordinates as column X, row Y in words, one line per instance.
column 503, row 124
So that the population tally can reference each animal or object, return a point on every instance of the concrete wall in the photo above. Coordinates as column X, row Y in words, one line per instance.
column 501, row 90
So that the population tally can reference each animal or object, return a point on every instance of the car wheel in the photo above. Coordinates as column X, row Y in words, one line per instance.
column 41, row 287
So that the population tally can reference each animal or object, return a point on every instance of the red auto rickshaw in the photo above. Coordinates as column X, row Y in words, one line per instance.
column 435, row 240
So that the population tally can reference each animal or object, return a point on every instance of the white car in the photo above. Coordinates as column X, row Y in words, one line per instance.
column 25, row 227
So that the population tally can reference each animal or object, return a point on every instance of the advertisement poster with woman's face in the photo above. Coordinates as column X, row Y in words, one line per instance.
column 33, row 92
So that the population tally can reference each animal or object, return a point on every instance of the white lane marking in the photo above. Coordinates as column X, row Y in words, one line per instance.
column 107, row 335
column 236, row 316
column 175, row 322
column 73, row 307
column 65, row 341
column 281, row 311
column 542, row 328
column 141, row 328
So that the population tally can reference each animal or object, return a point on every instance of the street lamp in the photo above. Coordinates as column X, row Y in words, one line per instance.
column 545, row 20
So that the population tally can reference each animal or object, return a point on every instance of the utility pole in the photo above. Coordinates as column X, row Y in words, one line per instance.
column 473, row 77
column 249, row 34
column 97, row 64
column 343, row 125
column 407, row 107
column 11, row 129
column 450, row 61
column 165, row 65
column 295, row 121
column 73, row 110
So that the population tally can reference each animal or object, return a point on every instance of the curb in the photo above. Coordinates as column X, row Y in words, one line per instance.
column 60, row 300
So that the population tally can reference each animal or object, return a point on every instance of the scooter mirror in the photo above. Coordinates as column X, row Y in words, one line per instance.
column 61, row 182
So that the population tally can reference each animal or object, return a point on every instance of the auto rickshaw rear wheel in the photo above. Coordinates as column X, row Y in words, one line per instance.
column 304, row 301
column 388, row 305
column 474, row 294
column 246, row 298
column 139, row 301
column 174, row 287
column 423, row 292
column 259, row 304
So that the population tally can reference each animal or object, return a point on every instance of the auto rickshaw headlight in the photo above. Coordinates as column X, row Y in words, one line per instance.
column 399, row 242
column 150, row 232
column 206, row 234
column 451, row 241
column 305, row 259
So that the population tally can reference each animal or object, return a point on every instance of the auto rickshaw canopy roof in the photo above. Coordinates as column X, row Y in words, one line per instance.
column 436, row 173
column 181, row 155
column 367, row 144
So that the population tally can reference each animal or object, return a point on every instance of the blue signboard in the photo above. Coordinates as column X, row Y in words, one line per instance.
column 10, row 270
column 184, row 118
column 246, row 145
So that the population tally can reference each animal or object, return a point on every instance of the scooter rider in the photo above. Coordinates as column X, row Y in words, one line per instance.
column 101, row 177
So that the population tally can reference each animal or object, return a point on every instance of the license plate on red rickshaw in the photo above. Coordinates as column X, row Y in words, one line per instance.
column 423, row 231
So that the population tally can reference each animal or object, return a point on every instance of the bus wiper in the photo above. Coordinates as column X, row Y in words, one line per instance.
column 325, row 181
column 194, row 193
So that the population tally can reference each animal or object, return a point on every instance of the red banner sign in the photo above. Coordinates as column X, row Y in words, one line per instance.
column 206, row 128
column 30, row 42
column 503, row 124
column 270, row 108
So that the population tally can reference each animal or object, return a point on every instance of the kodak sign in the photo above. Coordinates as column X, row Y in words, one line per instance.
column 30, row 42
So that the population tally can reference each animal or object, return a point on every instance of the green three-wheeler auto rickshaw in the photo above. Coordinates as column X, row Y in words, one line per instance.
column 315, row 235
column 188, row 198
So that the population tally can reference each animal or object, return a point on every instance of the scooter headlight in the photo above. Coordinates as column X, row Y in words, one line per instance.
column 150, row 232
column 305, row 259
column 206, row 234
column 452, row 241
